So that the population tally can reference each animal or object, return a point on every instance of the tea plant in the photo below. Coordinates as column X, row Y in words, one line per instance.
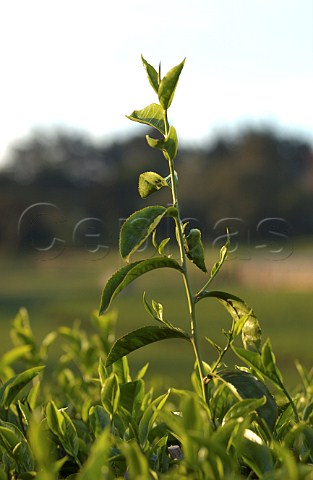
column 71, row 409
column 143, row 224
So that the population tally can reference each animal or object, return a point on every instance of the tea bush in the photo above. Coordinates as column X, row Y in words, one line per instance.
column 86, row 416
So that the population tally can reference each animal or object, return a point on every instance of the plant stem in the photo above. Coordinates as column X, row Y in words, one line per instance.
column 282, row 386
column 190, row 298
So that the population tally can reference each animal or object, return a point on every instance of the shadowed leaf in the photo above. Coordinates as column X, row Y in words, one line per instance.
column 137, row 228
column 249, row 386
column 140, row 338
column 129, row 273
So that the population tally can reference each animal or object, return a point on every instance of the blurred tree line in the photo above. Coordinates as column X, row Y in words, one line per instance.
column 62, row 190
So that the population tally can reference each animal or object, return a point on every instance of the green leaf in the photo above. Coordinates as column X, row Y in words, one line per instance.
column 160, row 248
column 70, row 437
column 223, row 256
column 97, row 464
column 137, row 462
column 264, row 364
column 168, row 85
column 129, row 273
column 243, row 408
column 251, row 331
column 40, row 444
column 194, row 248
column 110, row 394
column 137, row 228
column 115, row 285
column 152, row 115
column 14, row 354
column 269, row 361
column 15, row 444
column 98, row 419
column 140, row 338
column 156, row 311
column 10, row 389
column 249, row 386
column 121, row 369
column 162, row 245
column 150, row 182
column 168, row 146
column 132, row 394
column 62, row 426
column 255, row 454
column 153, row 75
column 150, row 416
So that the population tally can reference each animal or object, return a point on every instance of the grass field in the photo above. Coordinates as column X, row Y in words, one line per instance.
column 58, row 291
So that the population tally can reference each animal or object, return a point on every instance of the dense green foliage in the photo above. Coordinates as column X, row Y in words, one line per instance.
column 79, row 420
column 89, row 417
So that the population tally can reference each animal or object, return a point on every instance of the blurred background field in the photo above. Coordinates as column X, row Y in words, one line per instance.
column 68, row 288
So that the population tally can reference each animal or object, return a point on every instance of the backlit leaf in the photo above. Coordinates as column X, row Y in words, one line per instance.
column 150, row 415
column 110, row 394
column 168, row 85
column 168, row 146
column 264, row 363
column 151, row 115
column 150, row 182
column 152, row 75
column 97, row 465
column 12, row 387
column 251, row 331
column 194, row 248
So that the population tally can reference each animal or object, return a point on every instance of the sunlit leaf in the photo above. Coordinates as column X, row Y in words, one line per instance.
column 153, row 75
column 242, row 408
column 168, row 85
column 62, row 426
column 264, row 363
column 194, row 248
column 137, row 462
column 168, row 146
column 150, row 182
column 149, row 417
column 110, row 394
column 223, row 256
column 10, row 389
column 13, row 441
column 140, row 338
column 152, row 115
column 251, row 331
column 97, row 465
column 129, row 273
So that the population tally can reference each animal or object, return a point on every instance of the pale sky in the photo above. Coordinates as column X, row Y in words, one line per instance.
column 76, row 64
